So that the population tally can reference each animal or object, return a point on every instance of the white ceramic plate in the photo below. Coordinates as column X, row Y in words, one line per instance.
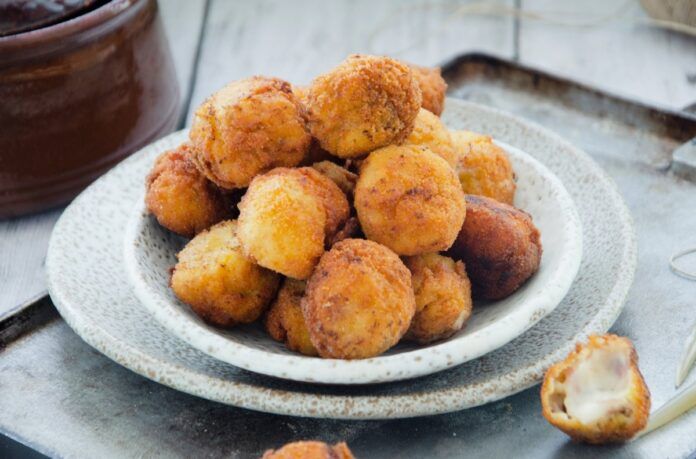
column 150, row 253
column 88, row 285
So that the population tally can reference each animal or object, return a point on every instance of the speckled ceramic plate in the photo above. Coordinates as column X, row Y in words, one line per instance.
column 88, row 284
column 150, row 252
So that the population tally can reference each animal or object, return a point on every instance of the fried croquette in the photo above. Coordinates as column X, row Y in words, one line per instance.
column 499, row 245
column 282, row 222
column 248, row 127
column 341, row 176
column 300, row 92
column 335, row 203
column 317, row 154
column 351, row 229
column 218, row 282
column 180, row 197
column 597, row 394
column 483, row 167
column 285, row 322
column 432, row 86
column 429, row 131
column 443, row 297
column 359, row 301
column 310, row 450
column 364, row 103
column 409, row 199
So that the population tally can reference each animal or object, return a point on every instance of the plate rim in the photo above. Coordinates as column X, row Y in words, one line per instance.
column 347, row 407
column 411, row 364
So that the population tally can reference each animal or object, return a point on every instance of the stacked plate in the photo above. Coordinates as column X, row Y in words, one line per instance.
column 108, row 269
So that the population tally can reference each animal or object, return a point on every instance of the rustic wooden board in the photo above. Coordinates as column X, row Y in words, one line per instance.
column 297, row 40
column 636, row 61
column 23, row 244
column 183, row 22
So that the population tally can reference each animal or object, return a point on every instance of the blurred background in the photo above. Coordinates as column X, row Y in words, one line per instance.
column 613, row 44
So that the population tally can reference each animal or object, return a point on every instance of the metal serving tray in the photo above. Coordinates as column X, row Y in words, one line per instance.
column 99, row 409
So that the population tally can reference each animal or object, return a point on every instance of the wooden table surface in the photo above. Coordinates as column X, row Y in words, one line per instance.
column 215, row 41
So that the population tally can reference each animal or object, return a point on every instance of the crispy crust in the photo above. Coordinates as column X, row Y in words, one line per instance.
column 283, row 221
column 499, row 245
column 350, row 230
column 218, row 282
column 443, row 297
column 301, row 92
column 409, row 199
column 285, row 322
column 429, row 131
column 317, row 154
column 248, row 127
column 341, row 176
column 432, row 86
column 335, row 202
column 310, row 450
column 359, row 301
column 364, row 103
column 612, row 428
column 483, row 167
column 180, row 197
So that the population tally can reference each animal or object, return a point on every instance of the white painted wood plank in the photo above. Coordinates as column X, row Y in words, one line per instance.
column 183, row 23
column 297, row 40
column 637, row 61
column 23, row 243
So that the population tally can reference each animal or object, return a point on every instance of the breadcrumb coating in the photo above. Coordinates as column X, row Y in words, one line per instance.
column 317, row 154
column 180, row 197
column 350, row 230
column 429, row 131
column 282, row 223
column 499, row 245
column 359, row 301
column 285, row 322
column 432, row 86
column 310, row 450
column 341, row 176
column 364, row 103
column 249, row 127
column 443, row 297
column 335, row 203
column 483, row 167
column 409, row 199
column 219, row 282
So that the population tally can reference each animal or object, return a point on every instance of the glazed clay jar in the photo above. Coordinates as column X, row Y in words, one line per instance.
column 78, row 96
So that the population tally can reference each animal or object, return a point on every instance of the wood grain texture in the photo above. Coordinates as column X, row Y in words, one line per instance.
column 636, row 61
column 183, row 23
column 23, row 243
column 300, row 39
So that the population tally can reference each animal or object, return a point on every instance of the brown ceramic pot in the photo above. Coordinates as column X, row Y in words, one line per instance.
column 78, row 96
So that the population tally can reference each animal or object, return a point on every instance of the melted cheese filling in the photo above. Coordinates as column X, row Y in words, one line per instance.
column 599, row 385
